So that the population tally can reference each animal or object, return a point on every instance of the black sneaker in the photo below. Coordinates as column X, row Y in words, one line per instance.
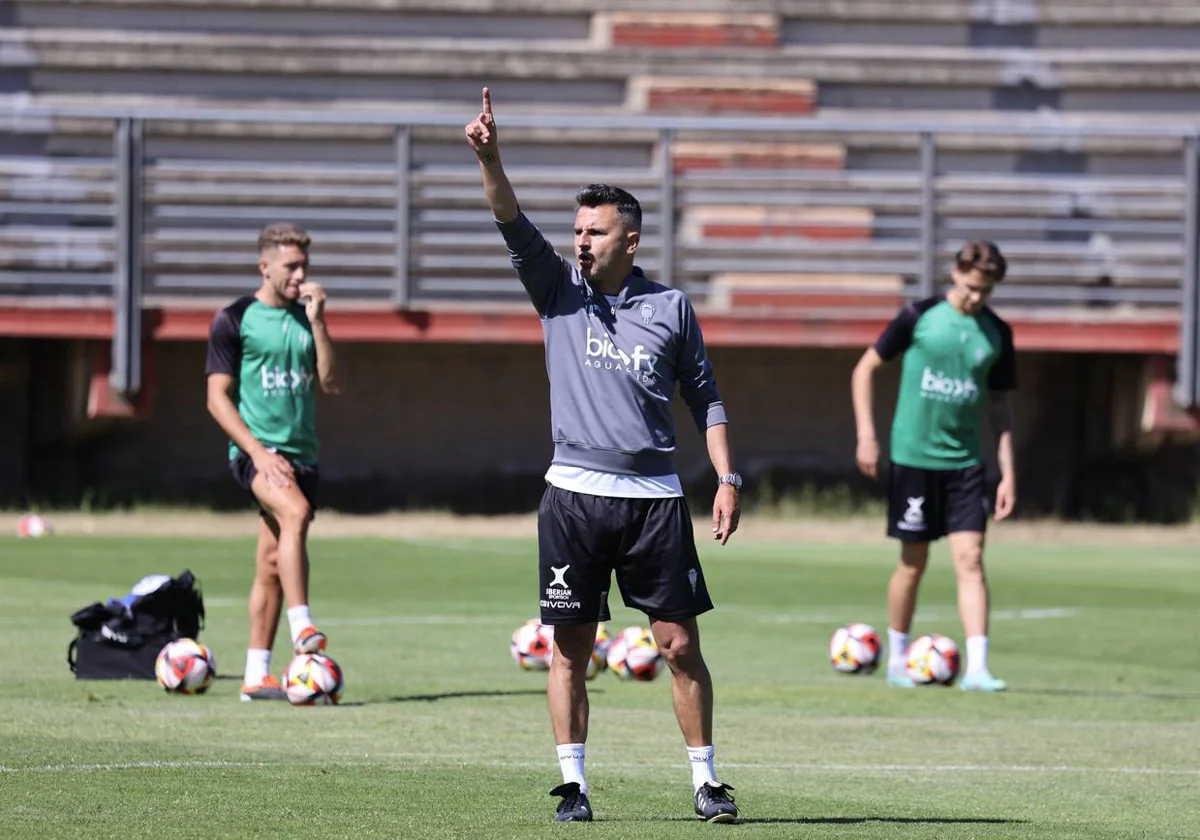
column 574, row 806
column 714, row 804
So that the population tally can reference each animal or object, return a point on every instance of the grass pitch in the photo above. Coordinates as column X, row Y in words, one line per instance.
column 441, row 736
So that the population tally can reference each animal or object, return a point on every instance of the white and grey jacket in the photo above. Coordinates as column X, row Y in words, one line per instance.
column 613, row 368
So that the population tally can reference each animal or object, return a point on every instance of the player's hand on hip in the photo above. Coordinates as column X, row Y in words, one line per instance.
column 275, row 469
column 867, row 456
column 313, row 295
column 481, row 133
column 726, row 513
column 1006, row 498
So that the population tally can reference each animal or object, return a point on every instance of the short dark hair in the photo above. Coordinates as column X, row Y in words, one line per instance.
column 604, row 195
column 280, row 234
column 984, row 257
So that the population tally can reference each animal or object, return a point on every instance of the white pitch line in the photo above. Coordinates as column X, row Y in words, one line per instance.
column 379, row 620
column 132, row 765
column 808, row 768
column 781, row 618
column 890, row 768
column 840, row 617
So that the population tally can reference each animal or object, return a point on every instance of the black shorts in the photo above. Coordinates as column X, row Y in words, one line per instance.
column 924, row 505
column 308, row 478
column 583, row 539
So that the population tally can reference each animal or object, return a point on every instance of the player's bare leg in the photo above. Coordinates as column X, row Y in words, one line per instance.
column 902, row 603
column 691, row 683
column 266, row 602
column 266, row 594
column 566, row 694
column 974, row 603
column 292, row 513
column 692, row 690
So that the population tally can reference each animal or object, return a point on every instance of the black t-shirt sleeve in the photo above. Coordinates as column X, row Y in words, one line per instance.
column 224, row 345
column 898, row 335
column 1003, row 375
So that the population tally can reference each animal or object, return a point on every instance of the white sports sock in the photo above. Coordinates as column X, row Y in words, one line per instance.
column 258, row 665
column 897, row 646
column 977, row 649
column 298, row 619
column 701, row 759
column 570, row 761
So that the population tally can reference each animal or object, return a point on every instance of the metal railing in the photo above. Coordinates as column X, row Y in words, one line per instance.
column 1170, row 232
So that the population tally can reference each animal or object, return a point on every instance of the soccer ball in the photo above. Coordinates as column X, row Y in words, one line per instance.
column 313, row 679
column 854, row 649
column 599, row 660
column 932, row 660
column 533, row 645
column 31, row 526
column 184, row 666
column 634, row 655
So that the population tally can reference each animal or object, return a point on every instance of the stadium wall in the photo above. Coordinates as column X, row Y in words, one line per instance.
column 466, row 427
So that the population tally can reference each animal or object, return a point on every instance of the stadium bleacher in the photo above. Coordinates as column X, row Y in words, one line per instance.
column 1089, row 217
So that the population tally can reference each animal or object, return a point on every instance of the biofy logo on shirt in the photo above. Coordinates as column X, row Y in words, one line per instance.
column 277, row 381
column 938, row 386
column 603, row 354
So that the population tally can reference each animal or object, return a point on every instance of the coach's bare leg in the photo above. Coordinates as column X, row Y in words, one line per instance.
column 966, row 550
column 266, row 595
column 902, row 588
column 292, row 513
column 691, row 683
column 566, row 688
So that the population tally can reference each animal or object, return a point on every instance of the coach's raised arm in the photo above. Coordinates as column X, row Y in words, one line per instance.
column 482, row 136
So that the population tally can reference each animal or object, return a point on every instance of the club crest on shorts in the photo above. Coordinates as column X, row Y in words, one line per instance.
column 914, row 516
column 647, row 313
column 693, row 576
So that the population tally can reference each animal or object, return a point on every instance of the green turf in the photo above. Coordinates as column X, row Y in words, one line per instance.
column 441, row 736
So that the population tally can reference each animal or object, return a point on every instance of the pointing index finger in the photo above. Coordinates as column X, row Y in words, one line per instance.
column 487, row 102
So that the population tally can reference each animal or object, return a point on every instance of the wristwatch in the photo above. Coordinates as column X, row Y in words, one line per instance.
column 732, row 478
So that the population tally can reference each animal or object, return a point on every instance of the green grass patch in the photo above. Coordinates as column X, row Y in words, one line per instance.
column 441, row 736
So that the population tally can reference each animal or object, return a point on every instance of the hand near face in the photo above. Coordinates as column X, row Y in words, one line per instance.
column 313, row 295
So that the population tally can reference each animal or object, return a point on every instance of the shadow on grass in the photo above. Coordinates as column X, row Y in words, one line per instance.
column 892, row 820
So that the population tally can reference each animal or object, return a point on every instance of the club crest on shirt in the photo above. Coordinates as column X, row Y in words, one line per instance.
column 647, row 312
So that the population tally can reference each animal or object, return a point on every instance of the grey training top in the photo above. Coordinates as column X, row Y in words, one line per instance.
column 613, row 369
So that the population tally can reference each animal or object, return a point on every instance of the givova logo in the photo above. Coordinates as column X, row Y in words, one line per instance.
column 277, row 381
column 936, row 385
column 603, row 354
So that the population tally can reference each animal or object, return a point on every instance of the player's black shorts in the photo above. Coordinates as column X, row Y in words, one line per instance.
column 583, row 539
column 308, row 478
column 924, row 505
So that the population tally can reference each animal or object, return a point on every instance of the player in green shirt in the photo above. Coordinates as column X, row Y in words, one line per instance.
column 266, row 355
column 957, row 357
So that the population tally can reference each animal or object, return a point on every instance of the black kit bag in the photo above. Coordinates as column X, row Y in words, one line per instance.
column 122, row 638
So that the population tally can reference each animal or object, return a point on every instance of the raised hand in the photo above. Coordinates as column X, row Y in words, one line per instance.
column 481, row 133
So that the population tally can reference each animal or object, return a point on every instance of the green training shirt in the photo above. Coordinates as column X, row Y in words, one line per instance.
column 951, row 362
column 270, row 352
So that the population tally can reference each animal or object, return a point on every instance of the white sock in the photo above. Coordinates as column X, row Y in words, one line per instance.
column 258, row 665
column 702, row 766
column 570, row 761
column 897, row 647
column 298, row 619
column 977, row 654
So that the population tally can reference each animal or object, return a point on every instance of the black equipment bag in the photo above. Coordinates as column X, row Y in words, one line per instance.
column 122, row 638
